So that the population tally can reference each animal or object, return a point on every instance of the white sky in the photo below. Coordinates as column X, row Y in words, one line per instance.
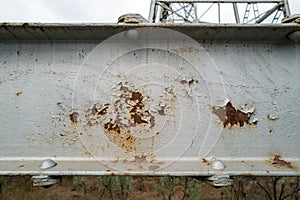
column 83, row 10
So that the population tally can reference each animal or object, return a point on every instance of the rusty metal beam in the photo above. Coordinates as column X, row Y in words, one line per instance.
column 147, row 99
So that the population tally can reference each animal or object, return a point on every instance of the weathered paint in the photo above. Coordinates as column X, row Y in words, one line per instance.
column 231, row 116
column 277, row 161
column 151, row 106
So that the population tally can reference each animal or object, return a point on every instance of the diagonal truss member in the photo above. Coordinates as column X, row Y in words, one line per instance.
column 185, row 11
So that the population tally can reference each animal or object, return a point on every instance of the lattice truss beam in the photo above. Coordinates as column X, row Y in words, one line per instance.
column 195, row 11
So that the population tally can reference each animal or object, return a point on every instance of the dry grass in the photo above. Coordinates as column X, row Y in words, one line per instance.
column 138, row 188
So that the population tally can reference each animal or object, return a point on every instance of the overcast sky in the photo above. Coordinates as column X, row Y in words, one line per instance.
column 81, row 10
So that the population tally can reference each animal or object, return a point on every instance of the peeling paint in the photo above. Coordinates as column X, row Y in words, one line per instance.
column 277, row 161
column 231, row 116
column 120, row 118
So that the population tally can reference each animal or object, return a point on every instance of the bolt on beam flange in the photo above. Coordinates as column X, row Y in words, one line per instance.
column 217, row 164
column 47, row 164
column 220, row 180
column 45, row 180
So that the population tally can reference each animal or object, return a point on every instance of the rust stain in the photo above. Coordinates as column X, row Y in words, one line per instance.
column 103, row 111
column 74, row 117
column 189, row 82
column 112, row 127
column 122, row 117
column 138, row 119
column 136, row 96
column 205, row 161
column 278, row 162
column 231, row 116
column 192, row 81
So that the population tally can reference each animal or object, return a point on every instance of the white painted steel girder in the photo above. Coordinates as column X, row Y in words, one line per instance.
column 149, row 100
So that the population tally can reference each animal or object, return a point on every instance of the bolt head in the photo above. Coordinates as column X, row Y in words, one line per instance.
column 218, row 164
column 48, row 163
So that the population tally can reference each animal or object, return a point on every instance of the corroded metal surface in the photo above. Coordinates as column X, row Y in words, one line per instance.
column 144, row 99
column 149, row 101
column 231, row 116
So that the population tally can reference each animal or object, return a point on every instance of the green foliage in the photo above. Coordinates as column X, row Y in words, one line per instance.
column 120, row 186
column 81, row 182
column 169, row 185
column 194, row 189
column 166, row 186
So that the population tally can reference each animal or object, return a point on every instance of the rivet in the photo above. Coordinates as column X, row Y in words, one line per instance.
column 48, row 163
column 218, row 164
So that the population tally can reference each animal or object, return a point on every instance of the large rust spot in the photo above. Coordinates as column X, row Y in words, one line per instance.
column 231, row 116
column 278, row 162
column 123, row 116
column 137, row 112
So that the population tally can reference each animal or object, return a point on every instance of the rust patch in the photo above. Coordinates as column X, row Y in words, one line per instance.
column 136, row 96
column 138, row 119
column 112, row 127
column 123, row 117
column 205, row 161
column 192, row 81
column 189, row 82
column 103, row 111
column 278, row 162
column 231, row 116
column 74, row 117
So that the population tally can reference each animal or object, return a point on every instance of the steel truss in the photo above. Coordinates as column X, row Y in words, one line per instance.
column 185, row 11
